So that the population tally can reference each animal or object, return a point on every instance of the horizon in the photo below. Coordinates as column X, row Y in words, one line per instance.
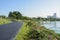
column 31, row 8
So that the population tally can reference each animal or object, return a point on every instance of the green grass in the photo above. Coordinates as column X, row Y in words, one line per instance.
column 19, row 20
column 4, row 21
column 23, row 31
column 44, row 33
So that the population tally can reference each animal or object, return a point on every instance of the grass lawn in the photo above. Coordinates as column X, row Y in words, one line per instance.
column 23, row 31
column 4, row 21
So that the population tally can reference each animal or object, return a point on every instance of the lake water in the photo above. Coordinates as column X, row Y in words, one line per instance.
column 52, row 25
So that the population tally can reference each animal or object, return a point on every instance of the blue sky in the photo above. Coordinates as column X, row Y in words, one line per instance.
column 31, row 8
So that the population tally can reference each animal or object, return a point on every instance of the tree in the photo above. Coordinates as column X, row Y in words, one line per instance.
column 10, row 14
column 15, row 15
column 19, row 15
column 38, row 18
column 2, row 16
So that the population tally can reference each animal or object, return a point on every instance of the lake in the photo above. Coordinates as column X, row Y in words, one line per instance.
column 52, row 25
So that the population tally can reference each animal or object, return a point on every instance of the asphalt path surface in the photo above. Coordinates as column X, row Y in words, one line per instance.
column 9, row 31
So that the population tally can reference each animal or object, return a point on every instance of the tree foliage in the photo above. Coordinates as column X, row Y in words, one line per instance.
column 15, row 15
column 2, row 16
column 38, row 18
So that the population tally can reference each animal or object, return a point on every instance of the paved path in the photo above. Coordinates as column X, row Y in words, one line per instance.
column 9, row 31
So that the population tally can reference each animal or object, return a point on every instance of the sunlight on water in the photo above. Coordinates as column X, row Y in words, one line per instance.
column 52, row 25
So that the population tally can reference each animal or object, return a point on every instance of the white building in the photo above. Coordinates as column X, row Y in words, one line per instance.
column 54, row 16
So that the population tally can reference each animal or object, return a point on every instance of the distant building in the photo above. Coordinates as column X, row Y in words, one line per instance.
column 54, row 16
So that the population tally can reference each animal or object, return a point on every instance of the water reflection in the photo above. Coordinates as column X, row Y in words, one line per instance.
column 52, row 25
column 55, row 24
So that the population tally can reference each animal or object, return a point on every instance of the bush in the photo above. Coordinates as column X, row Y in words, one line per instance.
column 32, row 34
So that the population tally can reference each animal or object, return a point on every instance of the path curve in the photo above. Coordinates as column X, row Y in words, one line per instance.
column 9, row 31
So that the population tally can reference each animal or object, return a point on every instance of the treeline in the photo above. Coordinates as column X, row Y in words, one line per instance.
column 18, row 15
column 2, row 16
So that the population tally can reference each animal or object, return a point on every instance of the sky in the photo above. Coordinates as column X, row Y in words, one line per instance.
column 31, row 8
